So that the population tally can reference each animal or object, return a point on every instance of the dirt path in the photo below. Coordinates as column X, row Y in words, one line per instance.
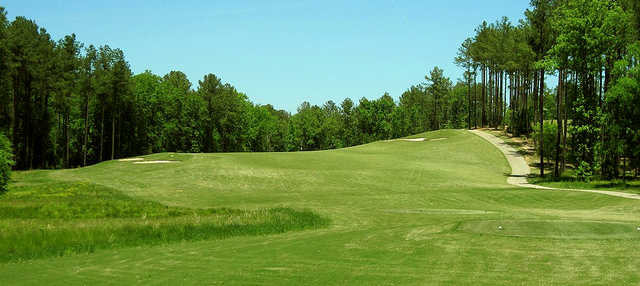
column 520, row 170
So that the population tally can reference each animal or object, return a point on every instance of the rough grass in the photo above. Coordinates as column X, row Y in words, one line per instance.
column 40, row 219
column 402, row 213
column 570, row 182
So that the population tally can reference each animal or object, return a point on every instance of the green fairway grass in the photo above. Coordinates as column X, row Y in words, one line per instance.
column 397, row 212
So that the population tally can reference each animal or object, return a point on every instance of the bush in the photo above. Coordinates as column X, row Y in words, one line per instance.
column 584, row 172
column 507, row 118
column 6, row 161
column 549, row 139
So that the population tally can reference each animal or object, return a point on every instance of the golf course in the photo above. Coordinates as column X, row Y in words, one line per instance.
column 411, row 212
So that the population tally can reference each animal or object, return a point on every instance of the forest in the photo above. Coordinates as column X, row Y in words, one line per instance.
column 591, row 119
column 65, row 104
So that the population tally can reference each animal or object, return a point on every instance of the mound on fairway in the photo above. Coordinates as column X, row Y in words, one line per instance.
column 401, row 213
column 62, row 218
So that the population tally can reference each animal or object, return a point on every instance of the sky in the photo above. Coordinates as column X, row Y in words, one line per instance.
column 279, row 52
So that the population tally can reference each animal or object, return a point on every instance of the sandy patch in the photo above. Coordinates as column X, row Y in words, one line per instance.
column 412, row 139
column 155, row 162
column 130, row 159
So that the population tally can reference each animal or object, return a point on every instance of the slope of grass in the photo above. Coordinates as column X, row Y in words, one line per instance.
column 401, row 213
column 40, row 218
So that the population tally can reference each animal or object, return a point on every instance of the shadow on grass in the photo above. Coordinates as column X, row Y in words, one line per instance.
column 519, row 148
column 516, row 176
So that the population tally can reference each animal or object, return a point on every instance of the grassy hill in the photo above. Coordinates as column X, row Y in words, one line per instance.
column 398, row 212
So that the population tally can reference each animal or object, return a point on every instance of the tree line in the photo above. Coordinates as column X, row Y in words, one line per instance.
column 592, row 48
column 65, row 104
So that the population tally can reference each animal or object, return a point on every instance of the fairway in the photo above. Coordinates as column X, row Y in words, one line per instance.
column 401, row 212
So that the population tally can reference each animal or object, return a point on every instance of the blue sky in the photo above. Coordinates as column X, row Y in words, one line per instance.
column 279, row 52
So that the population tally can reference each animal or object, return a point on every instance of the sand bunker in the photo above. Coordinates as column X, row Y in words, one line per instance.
column 155, row 162
column 418, row 139
column 130, row 159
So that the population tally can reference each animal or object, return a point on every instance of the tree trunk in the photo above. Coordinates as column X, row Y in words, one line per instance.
column 86, row 131
column 496, row 98
column 492, row 97
column 67, row 138
column 435, row 111
column 601, row 88
column 14, row 135
column 12, row 125
column 113, row 133
column 624, row 170
column 535, row 95
column 516, row 105
column 484, row 96
column 102, row 133
column 566, row 121
column 556, row 170
column 475, row 98
column 541, row 109
column 502, row 98
column 523, row 95
column 469, row 95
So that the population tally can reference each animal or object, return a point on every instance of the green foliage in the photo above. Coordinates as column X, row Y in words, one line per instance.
column 456, row 107
column 5, row 77
column 6, row 162
column 77, row 106
column 508, row 118
column 584, row 171
column 416, row 109
column 438, row 87
column 549, row 134
column 306, row 127
column 621, row 116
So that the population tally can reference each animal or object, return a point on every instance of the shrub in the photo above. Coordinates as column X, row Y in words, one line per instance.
column 549, row 137
column 507, row 118
column 6, row 161
column 584, row 172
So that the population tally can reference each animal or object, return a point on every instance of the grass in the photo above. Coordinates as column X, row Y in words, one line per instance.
column 401, row 213
column 568, row 181
column 41, row 218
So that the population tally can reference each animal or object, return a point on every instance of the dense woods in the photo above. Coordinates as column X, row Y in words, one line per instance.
column 592, row 116
column 65, row 104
